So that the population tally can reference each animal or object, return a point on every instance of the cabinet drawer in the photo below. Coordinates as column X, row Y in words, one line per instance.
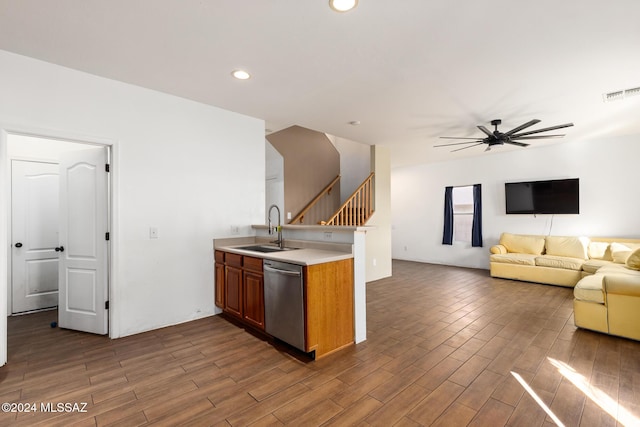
column 254, row 264
column 219, row 257
column 234, row 260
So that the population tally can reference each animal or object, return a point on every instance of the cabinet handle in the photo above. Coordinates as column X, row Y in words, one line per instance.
column 60, row 249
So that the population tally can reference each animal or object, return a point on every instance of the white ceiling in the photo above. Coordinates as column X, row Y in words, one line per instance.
column 409, row 71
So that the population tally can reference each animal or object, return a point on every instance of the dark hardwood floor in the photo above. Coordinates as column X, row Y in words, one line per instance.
column 446, row 347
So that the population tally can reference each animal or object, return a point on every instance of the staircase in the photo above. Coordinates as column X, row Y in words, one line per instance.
column 326, row 190
column 354, row 212
column 357, row 209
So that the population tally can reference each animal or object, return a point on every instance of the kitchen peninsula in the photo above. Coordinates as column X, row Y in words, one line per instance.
column 320, row 311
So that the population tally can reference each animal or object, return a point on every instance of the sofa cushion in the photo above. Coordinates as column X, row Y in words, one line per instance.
column 599, row 250
column 633, row 261
column 498, row 249
column 620, row 252
column 615, row 269
column 522, row 259
column 573, row 247
column 555, row 261
column 524, row 244
column 590, row 289
column 592, row 265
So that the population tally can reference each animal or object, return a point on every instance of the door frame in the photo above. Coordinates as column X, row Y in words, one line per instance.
column 5, row 217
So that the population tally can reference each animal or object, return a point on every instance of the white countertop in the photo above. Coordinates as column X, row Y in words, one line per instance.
column 308, row 253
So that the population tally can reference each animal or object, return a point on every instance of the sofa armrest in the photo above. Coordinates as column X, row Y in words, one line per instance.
column 621, row 284
column 498, row 249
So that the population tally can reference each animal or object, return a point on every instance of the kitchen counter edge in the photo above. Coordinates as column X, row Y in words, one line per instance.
column 306, row 253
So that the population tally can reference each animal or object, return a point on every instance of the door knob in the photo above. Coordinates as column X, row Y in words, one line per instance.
column 18, row 245
column 60, row 249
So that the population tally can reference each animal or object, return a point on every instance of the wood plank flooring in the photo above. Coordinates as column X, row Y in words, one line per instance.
column 443, row 346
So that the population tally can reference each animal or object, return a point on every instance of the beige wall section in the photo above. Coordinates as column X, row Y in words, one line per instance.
column 311, row 162
column 378, row 240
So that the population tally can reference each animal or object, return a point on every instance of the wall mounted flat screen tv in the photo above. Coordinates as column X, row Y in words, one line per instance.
column 559, row 196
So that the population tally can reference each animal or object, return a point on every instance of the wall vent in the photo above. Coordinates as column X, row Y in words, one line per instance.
column 632, row 92
column 621, row 94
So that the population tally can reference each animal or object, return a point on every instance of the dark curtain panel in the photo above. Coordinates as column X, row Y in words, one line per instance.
column 476, row 228
column 447, row 236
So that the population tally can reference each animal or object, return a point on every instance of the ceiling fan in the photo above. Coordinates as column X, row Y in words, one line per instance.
column 512, row 137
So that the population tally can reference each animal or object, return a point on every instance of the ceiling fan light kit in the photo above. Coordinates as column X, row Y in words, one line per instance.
column 511, row 137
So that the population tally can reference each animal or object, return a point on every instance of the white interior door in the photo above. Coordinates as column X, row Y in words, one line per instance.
column 83, row 278
column 34, row 235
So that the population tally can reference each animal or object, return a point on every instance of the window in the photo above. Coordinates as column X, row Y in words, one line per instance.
column 462, row 213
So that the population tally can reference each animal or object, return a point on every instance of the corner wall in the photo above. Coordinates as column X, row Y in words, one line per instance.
column 311, row 162
column 609, row 203
column 378, row 238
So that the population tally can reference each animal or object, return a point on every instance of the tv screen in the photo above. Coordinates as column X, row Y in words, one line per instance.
column 559, row 196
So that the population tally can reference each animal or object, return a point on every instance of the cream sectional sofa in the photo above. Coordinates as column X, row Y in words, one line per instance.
column 605, row 274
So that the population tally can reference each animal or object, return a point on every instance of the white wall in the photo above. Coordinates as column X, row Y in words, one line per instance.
column 30, row 148
column 274, row 183
column 609, row 202
column 355, row 164
column 378, row 238
column 186, row 168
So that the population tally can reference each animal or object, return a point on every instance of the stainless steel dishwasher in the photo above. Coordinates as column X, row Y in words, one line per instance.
column 284, row 302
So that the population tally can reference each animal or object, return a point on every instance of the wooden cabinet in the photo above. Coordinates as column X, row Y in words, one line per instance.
column 329, row 306
column 253, row 292
column 254, row 299
column 219, row 284
column 233, row 284
column 233, row 291
column 241, row 290
column 328, row 298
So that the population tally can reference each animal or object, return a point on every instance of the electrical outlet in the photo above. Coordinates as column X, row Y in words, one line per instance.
column 328, row 235
column 375, row 262
column 235, row 229
column 153, row 232
column 288, row 215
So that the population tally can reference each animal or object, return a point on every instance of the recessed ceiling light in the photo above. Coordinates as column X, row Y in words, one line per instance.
column 343, row 5
column 241, row 74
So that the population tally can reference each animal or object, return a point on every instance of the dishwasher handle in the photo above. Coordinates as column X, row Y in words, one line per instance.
column 279, row 271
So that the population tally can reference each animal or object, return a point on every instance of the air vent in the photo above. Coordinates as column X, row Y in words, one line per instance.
column 613, row 96
column 621, row 94
column 632, row 92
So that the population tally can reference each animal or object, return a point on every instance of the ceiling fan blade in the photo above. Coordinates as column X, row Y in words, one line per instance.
column 524, row 126
column 459, row 143
column 531, row 132
column 485, row 130
column 519, row 144
column 464, row 148
column 536, row 137
column 456, row 137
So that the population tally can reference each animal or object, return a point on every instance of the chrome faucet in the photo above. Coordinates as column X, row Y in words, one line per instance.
column 280, row 240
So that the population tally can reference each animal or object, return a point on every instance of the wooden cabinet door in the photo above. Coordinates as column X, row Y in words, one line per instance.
column 233, row 291
column 219, row 285
column 254, row 299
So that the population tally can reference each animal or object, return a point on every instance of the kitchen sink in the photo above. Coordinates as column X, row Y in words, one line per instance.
column 264, row 248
